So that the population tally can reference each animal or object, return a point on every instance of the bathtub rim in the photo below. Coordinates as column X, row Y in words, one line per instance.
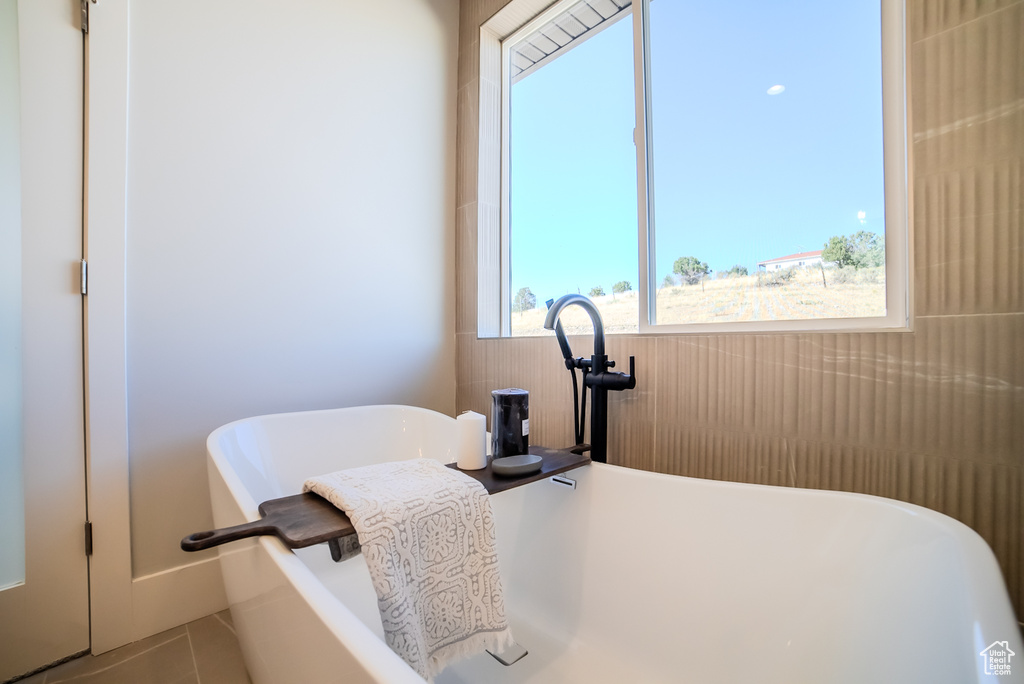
column 249, row 505
column 251, row 509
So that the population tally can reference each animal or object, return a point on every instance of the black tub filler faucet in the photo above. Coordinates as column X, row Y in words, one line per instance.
column 596, row 375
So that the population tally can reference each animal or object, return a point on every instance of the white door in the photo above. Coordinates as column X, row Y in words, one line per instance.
column 43, row 567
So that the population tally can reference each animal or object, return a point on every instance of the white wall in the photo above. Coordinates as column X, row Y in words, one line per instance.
column 290, row 227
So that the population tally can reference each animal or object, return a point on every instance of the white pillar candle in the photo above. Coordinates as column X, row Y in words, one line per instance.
column 471, row 453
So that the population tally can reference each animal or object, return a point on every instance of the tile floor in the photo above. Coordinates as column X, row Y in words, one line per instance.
column 202, row 652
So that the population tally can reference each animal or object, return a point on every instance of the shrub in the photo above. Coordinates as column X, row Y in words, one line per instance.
column 870, row 276
column 597, row 291
column 775, row 278
column 622, row 286
column 840, row 275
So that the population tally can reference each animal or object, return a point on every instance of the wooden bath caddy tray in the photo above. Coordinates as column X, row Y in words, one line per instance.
column 306, row 519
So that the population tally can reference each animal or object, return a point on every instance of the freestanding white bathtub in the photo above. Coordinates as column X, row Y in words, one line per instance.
column 629, row 577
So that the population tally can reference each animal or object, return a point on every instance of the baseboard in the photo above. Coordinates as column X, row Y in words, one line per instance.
column 173, row 597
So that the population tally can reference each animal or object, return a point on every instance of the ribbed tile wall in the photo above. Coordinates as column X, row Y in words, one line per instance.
column 934, row 416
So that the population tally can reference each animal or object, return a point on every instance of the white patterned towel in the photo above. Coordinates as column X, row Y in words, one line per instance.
column 427, row 533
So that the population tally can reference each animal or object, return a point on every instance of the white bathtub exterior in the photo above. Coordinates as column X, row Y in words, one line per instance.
column 632, row 576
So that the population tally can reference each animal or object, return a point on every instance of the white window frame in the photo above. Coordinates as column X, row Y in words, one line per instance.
column 520, row 17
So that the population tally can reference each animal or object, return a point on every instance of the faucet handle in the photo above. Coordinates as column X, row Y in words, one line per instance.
column 617, row 382
column 632, row 373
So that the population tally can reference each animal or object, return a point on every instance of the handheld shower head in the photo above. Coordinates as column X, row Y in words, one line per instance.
column 551, row 321
column 563, row 342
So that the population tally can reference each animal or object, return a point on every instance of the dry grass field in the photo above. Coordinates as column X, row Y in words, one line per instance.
column 760, row 297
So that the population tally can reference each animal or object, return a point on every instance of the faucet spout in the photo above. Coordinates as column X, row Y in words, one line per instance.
column 588, row 306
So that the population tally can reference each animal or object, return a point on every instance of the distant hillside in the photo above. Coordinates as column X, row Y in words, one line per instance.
column 789, row 295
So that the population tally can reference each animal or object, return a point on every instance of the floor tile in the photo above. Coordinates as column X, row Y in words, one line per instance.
column 167, row 661
column 225, row 615
column 88, row 663
column 205, row 651
column 218, row 656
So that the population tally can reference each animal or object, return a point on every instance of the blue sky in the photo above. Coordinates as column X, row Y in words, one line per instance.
column 740, row 175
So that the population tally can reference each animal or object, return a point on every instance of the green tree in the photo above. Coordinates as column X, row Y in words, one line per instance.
column 867, row 249
column 876, row 255
column 739, row 270
column 863, row 249
column 837, row 250
column 621, row 286
column 597, row 291
column 691, row 269
column 524, row 300
column 669, row 281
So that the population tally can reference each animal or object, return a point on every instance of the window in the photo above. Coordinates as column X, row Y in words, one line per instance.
column 706, row 167
column 572, row 165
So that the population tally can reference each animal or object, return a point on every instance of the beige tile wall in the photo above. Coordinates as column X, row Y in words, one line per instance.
column 934, row 417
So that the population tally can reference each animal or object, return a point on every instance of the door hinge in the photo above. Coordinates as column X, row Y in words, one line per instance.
column 88, row 538
column 85, row 277
column 84, row 5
